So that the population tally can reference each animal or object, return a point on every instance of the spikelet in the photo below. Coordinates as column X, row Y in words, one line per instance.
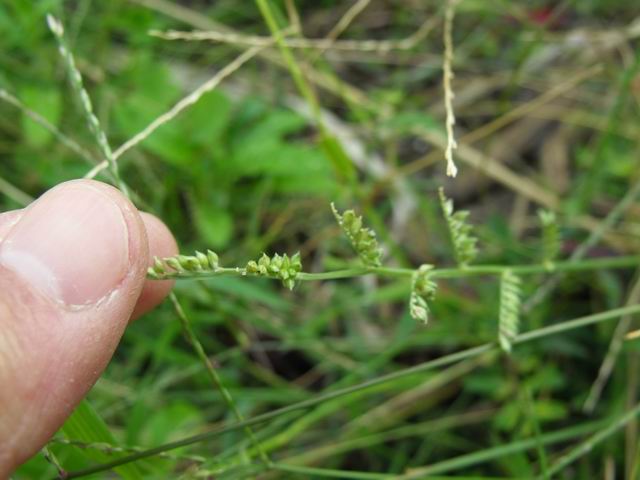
column 172, row 267
column 75, row 78
column 461, row 232
column 423, row 290
column 551, row 240
column 281, row 267
column 362, row 239
column 510, row 297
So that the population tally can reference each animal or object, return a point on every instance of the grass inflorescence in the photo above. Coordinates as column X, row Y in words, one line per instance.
column 238, row 125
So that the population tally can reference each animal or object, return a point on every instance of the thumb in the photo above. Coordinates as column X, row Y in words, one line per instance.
column 71, row 271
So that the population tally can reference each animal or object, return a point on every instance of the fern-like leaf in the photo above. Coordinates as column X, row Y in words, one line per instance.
column 461, row 232
column 363, row 240
column 510, row 298
column 551, row 240
column 423, row 290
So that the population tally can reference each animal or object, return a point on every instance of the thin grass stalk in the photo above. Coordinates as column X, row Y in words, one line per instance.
column 213, row 375
column 183, row 104
column 101, row 139
column 612, row 217
column 488, row 454
column 294, row 16
column 44, row 123
column 376, row 418
column 320, row 44
column 311, row 472
column 293, row 67
column 51, row 458
column 319, row 399
column 615, row 346
column 116, row 449
column 537, row 432
column 333, row 149
column 424, row 429
column 628, row 261
column 589, row 444
column 14, row 193
column 349, row 16
column 77, row 84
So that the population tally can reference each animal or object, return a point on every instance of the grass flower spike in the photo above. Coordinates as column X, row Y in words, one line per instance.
column 461, row 232
column 172, row 267
column 77, row 84
column 551, row 241
column 279, row 267
column 423, row 290
column 510, row 299
column 282, row 267
column 362, row 239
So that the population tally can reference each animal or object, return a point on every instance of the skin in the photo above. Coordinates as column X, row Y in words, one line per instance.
column 51, row 353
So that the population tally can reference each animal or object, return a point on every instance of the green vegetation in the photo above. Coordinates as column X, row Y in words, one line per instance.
column 301, row 349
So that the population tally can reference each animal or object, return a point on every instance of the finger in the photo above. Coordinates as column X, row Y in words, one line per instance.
column 7, row 221
column 71, row 271
column 161, row 244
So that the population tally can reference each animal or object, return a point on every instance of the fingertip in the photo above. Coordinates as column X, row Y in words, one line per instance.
column 77, row 243
column 72, row 266
column 161, row 244
column 7, row 221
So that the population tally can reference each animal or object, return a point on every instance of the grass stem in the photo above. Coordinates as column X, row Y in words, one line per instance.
column 629, row 261
column 319, row 399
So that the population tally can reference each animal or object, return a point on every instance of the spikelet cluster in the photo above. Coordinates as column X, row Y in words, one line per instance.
column 77, row 84
column 551, row 240
column 510, row 298
column 423, row 290
column 362, row 239
column 461, row 232
column 282, row 267
column 172, row 267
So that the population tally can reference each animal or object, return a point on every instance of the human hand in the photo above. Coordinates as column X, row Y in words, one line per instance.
column 72, row 275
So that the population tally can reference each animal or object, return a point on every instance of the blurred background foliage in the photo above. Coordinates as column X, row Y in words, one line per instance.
column 547, row 104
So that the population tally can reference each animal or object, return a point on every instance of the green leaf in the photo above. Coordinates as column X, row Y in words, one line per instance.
column 262, row 147
column 85, row 425
column 137, row 108
column 338, row 157
column 409, row 122
column 47, row 102
column 205, row 122
column 168, row 143
column 214, row 225
column 172, row 422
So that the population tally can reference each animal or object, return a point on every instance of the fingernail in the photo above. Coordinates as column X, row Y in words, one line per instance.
column 71, row 244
